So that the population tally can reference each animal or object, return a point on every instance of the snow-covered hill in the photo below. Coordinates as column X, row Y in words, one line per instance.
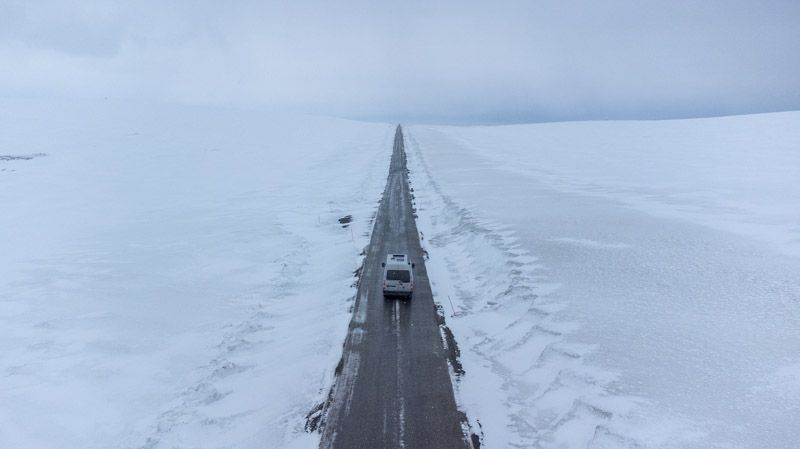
column 620, row 284
column 175, row 276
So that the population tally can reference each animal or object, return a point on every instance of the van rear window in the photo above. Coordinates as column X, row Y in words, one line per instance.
column 398, row 275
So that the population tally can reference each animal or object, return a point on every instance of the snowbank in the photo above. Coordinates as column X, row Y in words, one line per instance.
column 619, row 284
column 175, row 276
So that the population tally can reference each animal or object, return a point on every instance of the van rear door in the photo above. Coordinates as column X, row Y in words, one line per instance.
column 398, row 280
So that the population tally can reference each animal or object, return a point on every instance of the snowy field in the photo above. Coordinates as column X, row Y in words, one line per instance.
column 178, row 277
column 620, row 284
column 173, row 276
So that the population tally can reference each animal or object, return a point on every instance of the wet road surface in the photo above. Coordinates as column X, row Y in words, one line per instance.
column 393, row 388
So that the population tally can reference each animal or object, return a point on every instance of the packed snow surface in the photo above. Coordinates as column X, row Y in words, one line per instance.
column 619, row 284
column 173, row 276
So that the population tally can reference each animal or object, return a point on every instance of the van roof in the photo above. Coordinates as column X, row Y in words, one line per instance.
column 396, row 259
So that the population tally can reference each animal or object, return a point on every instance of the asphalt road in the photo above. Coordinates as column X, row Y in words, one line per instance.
column 393, row 389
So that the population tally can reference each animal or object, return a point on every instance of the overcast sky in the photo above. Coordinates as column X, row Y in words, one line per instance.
column 451, row 61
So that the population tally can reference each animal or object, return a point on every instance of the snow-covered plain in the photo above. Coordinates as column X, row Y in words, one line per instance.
column 175, row 276
column 619, row 284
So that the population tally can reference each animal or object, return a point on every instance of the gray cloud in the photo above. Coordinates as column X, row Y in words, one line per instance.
column 419, row 61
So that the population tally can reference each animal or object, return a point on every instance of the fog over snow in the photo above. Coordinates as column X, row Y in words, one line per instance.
column 448, row 61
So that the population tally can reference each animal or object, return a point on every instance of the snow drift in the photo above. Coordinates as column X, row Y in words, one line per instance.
column 619, row 284
column 175, row 276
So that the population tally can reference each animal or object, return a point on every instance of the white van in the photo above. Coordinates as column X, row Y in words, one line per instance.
column 398, row 278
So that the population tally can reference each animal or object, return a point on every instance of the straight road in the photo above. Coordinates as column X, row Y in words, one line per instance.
column 393, row 389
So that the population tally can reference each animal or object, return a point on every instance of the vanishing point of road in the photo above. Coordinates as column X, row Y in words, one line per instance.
column 393, row 389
